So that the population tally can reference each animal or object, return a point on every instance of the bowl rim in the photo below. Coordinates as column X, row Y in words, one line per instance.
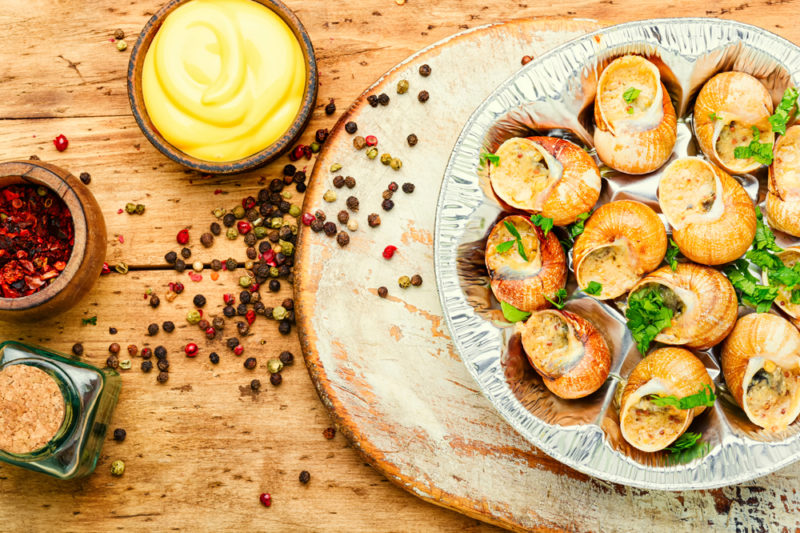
column 253, row 161
column 55, row 179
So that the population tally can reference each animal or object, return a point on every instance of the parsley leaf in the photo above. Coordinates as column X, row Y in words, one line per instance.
column 87, row 321
column 795, row 299
column 687, row 448
column 517, row 238
column 631, row 94
column 672, row 255
column 593, row 288
column 577, row 228
column 647, row 316
column 747, row 286
column 543, row 222
column 785, row 111
column 704, row 398
column 765, row 239
column 493, row 159
column 503, row 247
column 713, row 116
column 512, row 314
column 761, row 152
column 560, row 298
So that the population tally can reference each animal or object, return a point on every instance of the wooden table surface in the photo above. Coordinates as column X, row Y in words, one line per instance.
column 201, row 448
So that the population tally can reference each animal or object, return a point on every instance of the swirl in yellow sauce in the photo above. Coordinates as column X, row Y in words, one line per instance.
column 223, row 79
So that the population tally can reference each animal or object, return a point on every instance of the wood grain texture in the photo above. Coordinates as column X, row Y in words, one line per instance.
column 197, row 459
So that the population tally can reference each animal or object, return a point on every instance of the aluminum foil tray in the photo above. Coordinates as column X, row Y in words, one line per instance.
column 553, row 95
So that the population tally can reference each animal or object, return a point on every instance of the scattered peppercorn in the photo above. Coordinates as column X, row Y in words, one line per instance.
column 329, row 196
column 265, row 498
column 285, row 327
column 61, row 143
column 404, row 282
column 86, row 178
column 163, row 365
column 199, row 300
column 359, row 143
column 352, row 203
column 117, row 468
column 207, row 239
column 350, row 181
column 412, row 140
column 274, row 285
column 154, row 301
column 287, row 358
column 239, row 350
column 372, row 153
column 122, row 46
column 330, row 109
column 330, row 229
column 423, row 96
column 113, row 348
column 395, row 163
column 382, row 292
column 383, row 99
column 317, row 225
column 416, row 280
column 250, row 363
column 112, row 361
column 160, row 352
column 152, row 329
column 255, row 385
column 329, row 433
column 352, row 225
column 147, row 353
column 387, row 194
column 216, row 229
column 386, row 158
column 374, row 220
column 402, row 87
column 168, row 326
column 351, row 127
column 425, row 70
column 387, row 205
column 119, row 434
column 214, row 357
column 232, row 342
column 526, row 59
column 408, row 188
column 343, row 239
column 163, row 377
column 147, row 366
column 338, row 182
column 321, row 135
column 191, row 350
column 231, row 264
column 229, row 220
column 77, row 349
column 276, row 379
column 305, row 477
column 289, row 170
column 343, row 216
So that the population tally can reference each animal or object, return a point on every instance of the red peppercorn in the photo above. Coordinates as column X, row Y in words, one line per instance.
column 211, row 332
column 250, row 316
column 178, row 288
column 307, row 152
column 239, row 350
column 249, row 202
column 393, row 186
column 371, row 140
column 388, row 252
column 183, row 236
column 308, row 218
column 265, row 499
column 191, row 350
column 229, row 299
column 254, row 287
column 106, row 269
column 296, row 153
column 269, row 257
column 244, row 227
column 61, row 143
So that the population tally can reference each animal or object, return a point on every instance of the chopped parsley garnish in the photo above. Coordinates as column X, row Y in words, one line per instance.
column 765, row 239
column 785, row 111
column 747, row 286
column 704, row 398
column 647, row 317
column 577, row 228
column 687, row 448
column 517, row 239
column 631, row 94
column 543, row 222
column 593, row 288
column 512, row 314
column 503, row 247
column 713, row 116
column 560, row 299
column 493, row 159
column 672, row 255
column 87, row 321
column 761, row 152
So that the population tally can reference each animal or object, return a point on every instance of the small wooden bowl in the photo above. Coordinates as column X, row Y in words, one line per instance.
column 88, row 253
column 256, row 160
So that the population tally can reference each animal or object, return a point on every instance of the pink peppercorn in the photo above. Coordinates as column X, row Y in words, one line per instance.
column 269, row 257
column 61, row 143
column 265, row 499
column 388, row 252
column 371, row 140
column 239, row 350
column 308, row 218
column 249, row 202
column 250, row 316
column 183, row 236
column 191, row 350
column 244, row 227
column 106, row 269
column 229, row 299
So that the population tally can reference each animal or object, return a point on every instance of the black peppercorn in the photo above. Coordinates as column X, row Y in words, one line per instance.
column 207, row 239
column 320, row 215
column 321, row 135
column 168, row 326
column 274, row 285
column 113, row 347
column 186, row 253
column 180, row 265
column 387, row 194
column 86, row 178
column 229, row 311
column 387, row 205
column 163, row 377
column 77, row 349
column 280, row 258
column 250, row 363
column 343, row 217
column 273, row 236
column 317, row 225
column 147, row 366
column 147, row 353
column 373, row 100
column 163, row 365
column 285, row 233
column 330, row 229
column 199, row 300
column 229, row 220
column 160, row 352
column 305, row 477
column 352, row 203
column 383, row 99
column 218, row 323
column 416, row 280
column 412, row 140
column 215, row 228
column 152, row 329
column 232, row 343
column 244, row 297
column 250, row 239
column 242, row 327
column 287, row 358
column 343, row 239
column 284, row 270
column 288, row 170
column 330, row 109
column 374, row 219
column 170, row 258
column 300, row 187
column 423, row 96
column 408, row 188
column 214, row 358
column 203, row 324
column 288, row 304
column 290, row 316
column 285, row 327
column 251, row 252
column 351, row 127
column 300, row 177
column 350, row 181
column 276, row 186
column 425, row 70
column 119, row 434
column 338, row 182
column 112, row 361
column 275, row 379
column 288, row 179
column 255, row 385
column 231, row 264
column 284, row 206
column 241, row 309
column 382, row 292
column 154, row 301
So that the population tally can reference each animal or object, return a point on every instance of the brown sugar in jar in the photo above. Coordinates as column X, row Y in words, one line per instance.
column 31, row 408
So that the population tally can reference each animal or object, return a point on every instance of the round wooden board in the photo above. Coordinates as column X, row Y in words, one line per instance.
column 386, row 368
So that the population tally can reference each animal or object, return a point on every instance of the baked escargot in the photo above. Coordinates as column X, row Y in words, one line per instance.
column 761, row 366
column 567, row 351
column 647, row 425
column 621, row 242
column 635, row 122
column 783, row 198
column 789, row 257
column 525, row 268
column 712, row 217
column 732, row 110
column 703, row 303
column 546, row 175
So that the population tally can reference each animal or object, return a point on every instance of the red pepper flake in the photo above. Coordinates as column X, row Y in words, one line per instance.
column 120, row 211
column 195, row 277
column 217, row 191
column 371, row 140
column 183, row 236
column 265, row 499
column 388, row 252
column 61, row 143
column 121, row 239
column 36, row 238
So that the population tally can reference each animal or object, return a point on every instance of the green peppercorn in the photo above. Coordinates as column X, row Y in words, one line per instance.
column 121, row 268
column 276, row 223
column 386, row 159
column 238, row 212
column 260, row 232
column 336, row 167
column 329, row 196
column 130, row 208
column 274, row 366
column 279, row 313
column 404, row 282
column 294, row 229
column 315, row 147
column 402, row 87
column 140, row 209
column 372, row 153
column 125, row 364
column 193, row 317
column 117, row 467
column 219, row 212
column 232, row 234
column 231, row 264
column 396, row 164
column 286, row 247
column 122, row 46
column 359, row 143
column 274, row 272
column 245, row 281
column 295, row 211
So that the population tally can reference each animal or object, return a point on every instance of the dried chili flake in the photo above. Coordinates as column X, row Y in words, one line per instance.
column 36, row 239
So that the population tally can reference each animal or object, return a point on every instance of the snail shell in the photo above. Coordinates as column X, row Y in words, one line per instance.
column 783, row 198
column 546, row 175
column 525, row 284
column 738, row 101
column 789, row 257
column 703, row 302
column 567, row 351
column 621, row 242
column 633, row 137
column 712, row 217
column 666, row 371
column 761, row 365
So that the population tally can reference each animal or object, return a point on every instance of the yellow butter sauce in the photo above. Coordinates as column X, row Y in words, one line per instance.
column 223, row 79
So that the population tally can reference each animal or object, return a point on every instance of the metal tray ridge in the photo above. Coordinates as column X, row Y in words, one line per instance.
column 553, row 95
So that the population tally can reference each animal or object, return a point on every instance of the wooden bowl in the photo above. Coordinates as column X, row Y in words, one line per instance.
column 88, row 253
column 256, row 160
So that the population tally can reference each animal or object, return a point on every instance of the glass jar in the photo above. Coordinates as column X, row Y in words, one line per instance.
column 89, row 394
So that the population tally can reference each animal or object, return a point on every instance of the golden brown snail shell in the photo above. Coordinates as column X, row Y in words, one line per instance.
column 546, row 175
column 727, row 107
column 633, row 137
column 567, row 351
column 783, row 198
column 525, row 284
column 761, row 365
column 621, row 242
column 703, row 302
column 713, row 218
column 666, row 371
